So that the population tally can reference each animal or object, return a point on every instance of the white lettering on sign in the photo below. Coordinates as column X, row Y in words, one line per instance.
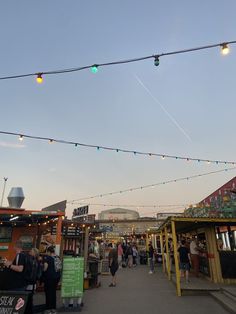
column 6, row 301
column 6, row 310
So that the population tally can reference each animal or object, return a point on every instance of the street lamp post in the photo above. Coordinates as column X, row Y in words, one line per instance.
column 3, row 191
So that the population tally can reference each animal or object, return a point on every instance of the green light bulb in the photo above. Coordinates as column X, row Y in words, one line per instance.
column 94, row 68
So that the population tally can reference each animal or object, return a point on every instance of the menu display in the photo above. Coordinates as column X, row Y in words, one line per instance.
column 5, row 234
column 72, row 277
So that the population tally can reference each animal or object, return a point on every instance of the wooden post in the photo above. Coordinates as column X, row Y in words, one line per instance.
column 167, row 255
column 162, row 251
column 214, row 260
column 86, row 240
column 177, row 271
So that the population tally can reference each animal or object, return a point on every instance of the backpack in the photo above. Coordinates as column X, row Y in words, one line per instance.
column 57, row 264
column 31, row 270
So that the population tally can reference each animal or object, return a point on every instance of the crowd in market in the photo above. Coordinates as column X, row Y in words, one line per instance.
column 30, row 268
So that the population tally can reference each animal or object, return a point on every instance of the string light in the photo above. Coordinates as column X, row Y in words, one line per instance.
column 151, row 185
column 156, row 61
column 94, row 67
column 39, row 78
column 224, row 49
column 107, row 148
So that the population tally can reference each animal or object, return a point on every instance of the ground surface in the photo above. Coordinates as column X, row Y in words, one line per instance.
column 138, row 292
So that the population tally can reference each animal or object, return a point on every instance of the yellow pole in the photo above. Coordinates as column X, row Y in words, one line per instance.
column 162, row 251
column 167, row 255
column 177, row 272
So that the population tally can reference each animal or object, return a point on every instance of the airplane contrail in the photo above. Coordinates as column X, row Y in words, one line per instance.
column 163, row 109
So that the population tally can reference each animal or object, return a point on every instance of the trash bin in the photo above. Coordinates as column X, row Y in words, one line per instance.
column 93, row 273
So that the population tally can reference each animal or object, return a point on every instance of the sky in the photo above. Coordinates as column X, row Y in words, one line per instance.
column 183, row 107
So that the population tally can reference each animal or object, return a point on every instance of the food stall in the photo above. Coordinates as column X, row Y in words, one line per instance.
column 217, row 253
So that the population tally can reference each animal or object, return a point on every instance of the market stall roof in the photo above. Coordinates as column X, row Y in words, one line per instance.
column 186, row 224
column 21, row 217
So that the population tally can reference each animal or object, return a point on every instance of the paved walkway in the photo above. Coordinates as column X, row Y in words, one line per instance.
column 138, row 292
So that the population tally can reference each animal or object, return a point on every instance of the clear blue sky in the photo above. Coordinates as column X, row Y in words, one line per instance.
column 111, row 107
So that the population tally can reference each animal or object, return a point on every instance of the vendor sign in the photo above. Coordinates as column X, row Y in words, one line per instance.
column 13, row 302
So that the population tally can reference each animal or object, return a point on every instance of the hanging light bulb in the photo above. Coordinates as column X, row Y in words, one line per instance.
column 224, row 49
column 156, row 61
column 21, row 138
column 39, row 78
column 94, row 68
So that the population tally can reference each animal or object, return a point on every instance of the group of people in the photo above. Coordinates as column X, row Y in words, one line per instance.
column 126, row 255
column 121, row 255
column 28, row 269
column 189, row 257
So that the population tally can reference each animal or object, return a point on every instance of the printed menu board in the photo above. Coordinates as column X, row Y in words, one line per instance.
column 72, row 277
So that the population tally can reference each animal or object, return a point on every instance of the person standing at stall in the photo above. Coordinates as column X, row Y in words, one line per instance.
column 194, row 253
column 113, row 264
column 184, row 258
column 18, row 269
column 52, row 273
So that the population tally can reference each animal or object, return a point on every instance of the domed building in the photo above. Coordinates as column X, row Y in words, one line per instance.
column 118, row 214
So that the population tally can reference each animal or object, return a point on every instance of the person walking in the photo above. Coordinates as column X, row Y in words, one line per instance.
column 194, row 253
column 129, row 254
column 120, row 254
column 184, row 260
column 51, row 278
column 135, row 255
column 113, row 264
column 151, row 257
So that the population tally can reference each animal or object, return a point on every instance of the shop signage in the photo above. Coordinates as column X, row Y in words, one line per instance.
column 67, row 230
column 80, row 211
column 5, row 234
column 106, row 228
column 72, row 277
column 42, row 213
column 13, row 302
column 4, row 247
column 105, row 267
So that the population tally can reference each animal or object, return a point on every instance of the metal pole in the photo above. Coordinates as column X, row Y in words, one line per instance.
column 3, row 191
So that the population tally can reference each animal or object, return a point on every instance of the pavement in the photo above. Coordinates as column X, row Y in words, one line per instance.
column 139, row 292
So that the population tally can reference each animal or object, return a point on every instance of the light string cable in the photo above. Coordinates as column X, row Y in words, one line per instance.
column 150, row 185
column 133, row 205
column 94, row 67
column 107, row 148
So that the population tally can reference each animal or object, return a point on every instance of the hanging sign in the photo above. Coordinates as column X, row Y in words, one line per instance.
column 80, row 211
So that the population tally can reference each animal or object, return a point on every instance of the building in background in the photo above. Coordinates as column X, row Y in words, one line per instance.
column 118, row 214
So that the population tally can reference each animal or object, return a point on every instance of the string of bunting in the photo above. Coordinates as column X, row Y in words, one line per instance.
column 151, row 185
column 118, row 150
column 94, row 67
